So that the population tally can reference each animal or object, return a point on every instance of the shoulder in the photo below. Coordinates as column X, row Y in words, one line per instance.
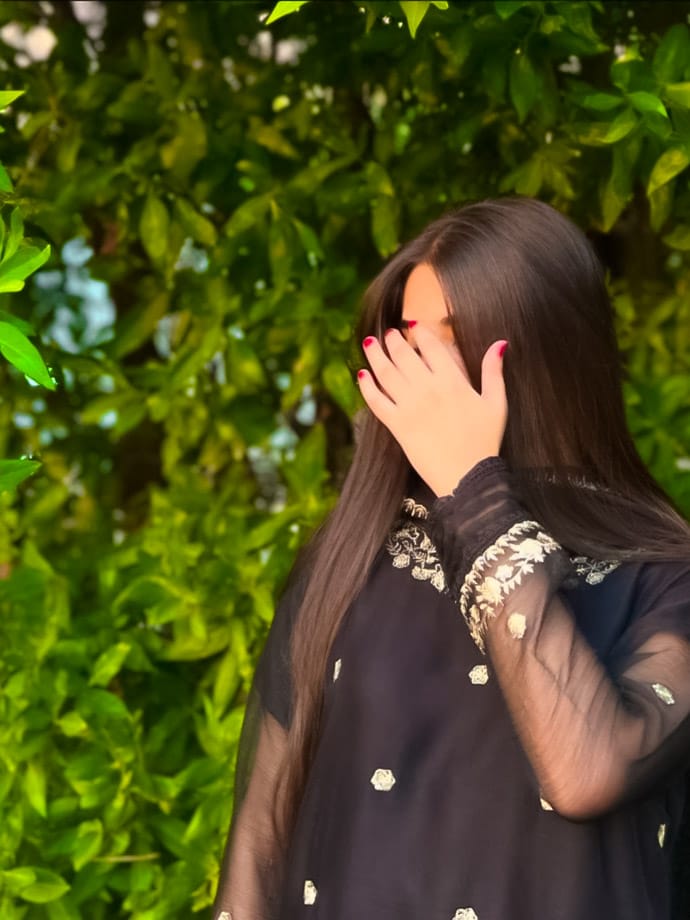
column 661, row 600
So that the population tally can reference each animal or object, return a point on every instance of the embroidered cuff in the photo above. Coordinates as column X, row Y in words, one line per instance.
column 487, row 542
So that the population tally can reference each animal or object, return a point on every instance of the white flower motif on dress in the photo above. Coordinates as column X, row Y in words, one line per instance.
column 465, row 913
column 530, row 549
column 594, row 570
column 482, row 595
column 504, row 572
column 663, row 693
column 479, row 674
column 517, row 624
column 661, row 834
column 416, row 509
column 310, row 892
column 410, row 545
column 490, row 591
column 336, row 668
column 383, row 780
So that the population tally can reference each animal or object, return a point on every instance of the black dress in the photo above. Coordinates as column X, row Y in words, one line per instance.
column 505, row 734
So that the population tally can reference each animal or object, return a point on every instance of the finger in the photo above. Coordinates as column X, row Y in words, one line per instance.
column 405, row 357
column 435, row 352
column 385, row 371
column 493, row 382
column 378, row 402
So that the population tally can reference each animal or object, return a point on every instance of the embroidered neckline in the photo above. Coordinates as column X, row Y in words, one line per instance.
column 592, row 569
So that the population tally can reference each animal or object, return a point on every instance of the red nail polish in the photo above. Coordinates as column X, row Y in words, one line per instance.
column 502, row 349
column 360, row 374
column 368, row 341
column 411, row 323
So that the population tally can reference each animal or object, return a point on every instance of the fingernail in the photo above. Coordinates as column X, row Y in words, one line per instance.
column 360, row 374
column 502, row 349
column 411, row 323
column 368, row 341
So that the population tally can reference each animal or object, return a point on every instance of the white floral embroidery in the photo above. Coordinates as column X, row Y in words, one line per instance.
column 310, row 892
column 465, row 913
column 663, row 693
column 488, row 591
column 336, row 668
column 479, row 674
column 481, row 598
column 416, row 509
column 661, row 834
column 594, row 570
column 410, row 545
column 517, row 624
column 383, row 780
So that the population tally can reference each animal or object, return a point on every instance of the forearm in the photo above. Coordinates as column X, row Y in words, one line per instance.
column 592, row 741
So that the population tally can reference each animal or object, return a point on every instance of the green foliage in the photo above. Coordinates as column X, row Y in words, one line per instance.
column 18, row 260
column 218, row 190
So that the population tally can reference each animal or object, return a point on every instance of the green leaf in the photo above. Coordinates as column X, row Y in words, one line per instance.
column 245, row 370
column 670, row 164
column 310, row 242
column 524, row 84
column 186, row 148
column 307, row 470
column 35, row 884
column 137, row 325
column 284, row 8
column 618, row 189
column 678, row 93
column 385, row 220
column 12, row 472
column 35, row 787
column 337, row 379
column 506, row 8
column 109, row 663
column 16, row 234
column 414, row 13
column 270, row 137
column 602, row 133
column 601, row 102
column 196, row 225
column 19, row 351
column 647, row 102
column 660, row 204
column 72, row 725
column 17, row 321
column 679, row 237
column 672, row 54
column 153, row 228
column 102, row 704
column 247, row 215
column 5, row 181
column 88, row 842
column 49, row 886
column 8, row 96
column 16, row 269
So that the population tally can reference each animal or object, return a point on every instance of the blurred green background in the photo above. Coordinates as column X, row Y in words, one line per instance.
column 217, row 188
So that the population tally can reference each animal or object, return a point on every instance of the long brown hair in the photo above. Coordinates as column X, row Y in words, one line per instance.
column 512, row 268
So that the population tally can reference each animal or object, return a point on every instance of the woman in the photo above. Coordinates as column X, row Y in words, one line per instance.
column 473, row 700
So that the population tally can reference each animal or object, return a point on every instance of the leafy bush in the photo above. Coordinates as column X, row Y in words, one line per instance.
column 217, row 191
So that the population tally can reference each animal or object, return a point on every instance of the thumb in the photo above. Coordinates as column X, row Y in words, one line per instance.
column 493, row 383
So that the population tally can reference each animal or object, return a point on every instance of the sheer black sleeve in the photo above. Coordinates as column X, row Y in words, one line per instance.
column 252, row 865
column 596, row 735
